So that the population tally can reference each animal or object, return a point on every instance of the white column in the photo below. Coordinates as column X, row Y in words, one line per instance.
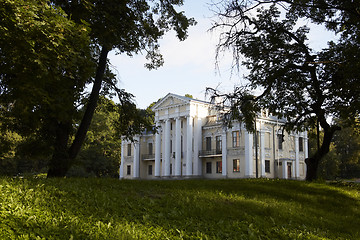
column 285, row 170
column 224, row 153
column 306, row 150
column 249, row 159
column 136, row 163
column 197, row 145
column 163, row 149
column 297, row 165
column 189, row 136
column 262, row 153
column 178, row 147
column 166, row 159
column 121, row 170
column 157, row 150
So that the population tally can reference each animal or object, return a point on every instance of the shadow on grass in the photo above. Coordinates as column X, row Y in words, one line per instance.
column 222, row 209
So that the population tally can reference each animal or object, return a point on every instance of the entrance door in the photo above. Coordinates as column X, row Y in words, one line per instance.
column 289, row 170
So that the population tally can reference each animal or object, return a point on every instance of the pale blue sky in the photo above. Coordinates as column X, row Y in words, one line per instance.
column 189, row 66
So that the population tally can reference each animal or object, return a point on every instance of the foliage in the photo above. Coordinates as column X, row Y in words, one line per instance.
column 347, row 144
column 100, row 155
column 43, row 61
column 45, row 65
column 343, row 159
column 192, row 209
column 299, row 84
column 19, row 155
column 51, row 51
column 129, row 27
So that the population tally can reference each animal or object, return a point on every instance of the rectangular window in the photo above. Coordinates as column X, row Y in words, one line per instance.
column 267, row 166
column 208, row 143
column 219, row 167
column 280, row 141
column 150, row 146
column 267, row 139
column 236, row 139
column 129, row 149
column 236, row 165
column 150, row 170
column 170, row 146
column 301, row 144
column 128, row 170
column 208, row 167
column 170, row 169
column 218, row 144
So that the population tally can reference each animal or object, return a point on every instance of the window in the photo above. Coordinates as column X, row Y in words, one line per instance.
column 208, row 167
column 129, row 149
column 301, row 144
column 170, row 146
column 150, row 170
column 267, row 140
column 171, row 126
column 236, row 139
column 150, row 148
column 128, row 170
column 170, row 169
column 236, row 165
column 267, row 166
column 218, row 167
column 280, row 141
column 218, row 144
column 208, row 143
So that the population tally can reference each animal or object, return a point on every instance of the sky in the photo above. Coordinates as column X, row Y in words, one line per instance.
column 189, row 66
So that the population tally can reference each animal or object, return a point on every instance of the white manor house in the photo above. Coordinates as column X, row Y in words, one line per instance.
column 192, row 142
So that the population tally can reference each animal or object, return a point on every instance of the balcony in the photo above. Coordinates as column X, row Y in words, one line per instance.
column 210, row 153
column 148, row 157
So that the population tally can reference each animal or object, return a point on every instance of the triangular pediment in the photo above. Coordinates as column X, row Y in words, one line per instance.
column 171, row 100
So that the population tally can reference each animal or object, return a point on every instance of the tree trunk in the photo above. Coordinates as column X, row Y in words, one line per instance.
column 91, row 106
column 63, row 157
column 312, row 163
column 60, row 162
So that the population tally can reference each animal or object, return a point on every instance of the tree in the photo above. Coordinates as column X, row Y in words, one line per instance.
column 129, row 27
column 329, row 165
column 299, row 84
column 66, row 51
column 45, row 64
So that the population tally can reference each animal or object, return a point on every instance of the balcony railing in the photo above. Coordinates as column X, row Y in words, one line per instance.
column 210, row 153
column 146, row 157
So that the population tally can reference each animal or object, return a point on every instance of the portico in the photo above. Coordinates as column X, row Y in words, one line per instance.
column 179, row 121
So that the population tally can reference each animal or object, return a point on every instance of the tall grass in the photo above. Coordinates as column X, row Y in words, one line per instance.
column 190, row 209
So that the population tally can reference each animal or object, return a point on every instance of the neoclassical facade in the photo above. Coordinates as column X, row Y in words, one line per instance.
column 191, row 141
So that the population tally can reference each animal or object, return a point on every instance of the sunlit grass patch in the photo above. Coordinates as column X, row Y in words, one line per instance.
column 192, row 209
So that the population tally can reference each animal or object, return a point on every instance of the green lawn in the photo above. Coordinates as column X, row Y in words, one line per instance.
column 190, row 209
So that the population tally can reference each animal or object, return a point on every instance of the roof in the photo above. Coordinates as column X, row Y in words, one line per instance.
column 182, row 98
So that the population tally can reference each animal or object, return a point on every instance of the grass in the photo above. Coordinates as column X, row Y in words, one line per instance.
column 35, row 208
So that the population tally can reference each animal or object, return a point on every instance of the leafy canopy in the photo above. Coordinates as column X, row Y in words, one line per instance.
column 298, row 83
